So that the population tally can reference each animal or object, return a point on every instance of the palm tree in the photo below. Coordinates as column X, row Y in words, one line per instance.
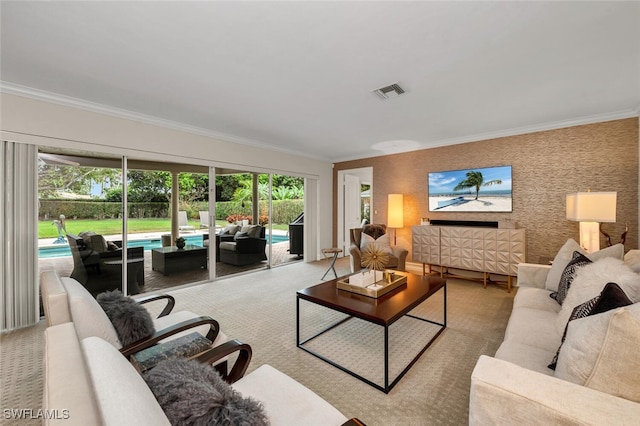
column 475, row 179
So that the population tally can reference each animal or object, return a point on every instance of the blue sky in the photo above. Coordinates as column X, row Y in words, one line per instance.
column 440, row 182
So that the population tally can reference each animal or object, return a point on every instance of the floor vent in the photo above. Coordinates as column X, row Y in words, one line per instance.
column 391, row 91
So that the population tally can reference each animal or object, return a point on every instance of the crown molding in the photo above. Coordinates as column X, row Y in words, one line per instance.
column 42, row 95
column 599, row 118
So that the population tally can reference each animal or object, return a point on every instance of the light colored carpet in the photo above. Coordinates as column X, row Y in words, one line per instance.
column 260, row 309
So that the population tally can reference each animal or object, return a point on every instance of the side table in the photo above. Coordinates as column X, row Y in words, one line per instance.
column 331, row 251
column 133, row 266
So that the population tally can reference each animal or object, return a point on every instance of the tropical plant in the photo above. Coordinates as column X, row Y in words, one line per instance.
column 475, row 180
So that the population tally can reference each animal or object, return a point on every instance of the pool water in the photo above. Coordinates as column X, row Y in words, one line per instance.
column 148, row 244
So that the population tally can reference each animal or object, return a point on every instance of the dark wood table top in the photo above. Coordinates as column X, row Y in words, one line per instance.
column 384, row 310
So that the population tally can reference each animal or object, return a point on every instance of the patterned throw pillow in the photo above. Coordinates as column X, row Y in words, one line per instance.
column 612, row 297
column 577, row 260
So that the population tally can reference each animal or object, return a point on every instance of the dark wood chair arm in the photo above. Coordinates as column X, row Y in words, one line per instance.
column 171, row 302
column 217, row 353
column 353, row 422
column 174, row 329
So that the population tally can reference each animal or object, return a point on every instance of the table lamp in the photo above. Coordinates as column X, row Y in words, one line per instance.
column 590, row 209
column 395, row 213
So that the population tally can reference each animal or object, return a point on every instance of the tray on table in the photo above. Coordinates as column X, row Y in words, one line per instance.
column 390, row 281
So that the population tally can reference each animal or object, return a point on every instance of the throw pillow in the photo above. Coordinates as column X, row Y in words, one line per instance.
column 567, row 276
column 239, row 235
column 589, row 282
column 382, row 243
column 374, row 230
column 230, row 230
column 565, row 254
column 131, row 320
column 254, row 231
column 632, row 260
column 588, row 343
column 111, row 246
column 194, row 393
column 620, row 349
column 612, row 297
column 562, row 259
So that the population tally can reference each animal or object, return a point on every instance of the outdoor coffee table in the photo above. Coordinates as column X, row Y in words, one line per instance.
column 383, row 311
column 169, row 260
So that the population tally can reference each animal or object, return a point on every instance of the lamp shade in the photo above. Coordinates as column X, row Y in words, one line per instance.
column 395, row 214
column 592, row 206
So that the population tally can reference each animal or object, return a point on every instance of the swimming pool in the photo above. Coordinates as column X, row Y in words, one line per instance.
column 148, row 244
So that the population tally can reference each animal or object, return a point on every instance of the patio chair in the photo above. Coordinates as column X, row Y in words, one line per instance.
column 204, row 219
column 66, row 300
column 183, row 223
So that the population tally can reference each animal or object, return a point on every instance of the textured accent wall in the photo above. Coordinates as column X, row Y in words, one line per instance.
column 546, row 166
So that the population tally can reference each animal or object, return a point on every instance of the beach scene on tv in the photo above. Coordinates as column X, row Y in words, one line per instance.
column 485, row 189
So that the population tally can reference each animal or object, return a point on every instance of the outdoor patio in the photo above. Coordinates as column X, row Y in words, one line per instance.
column 155, row 280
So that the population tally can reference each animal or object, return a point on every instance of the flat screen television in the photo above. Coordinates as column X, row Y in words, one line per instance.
column 486, row 189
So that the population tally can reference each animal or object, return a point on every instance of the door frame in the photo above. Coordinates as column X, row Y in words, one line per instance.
column 365, row 174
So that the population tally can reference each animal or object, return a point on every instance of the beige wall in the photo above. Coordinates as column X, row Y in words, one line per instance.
column 546, row 166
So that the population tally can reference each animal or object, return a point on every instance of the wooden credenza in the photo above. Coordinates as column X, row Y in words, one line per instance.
column 486, row 250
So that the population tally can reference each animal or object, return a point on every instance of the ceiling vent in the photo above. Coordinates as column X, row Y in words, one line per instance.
column 391, row 91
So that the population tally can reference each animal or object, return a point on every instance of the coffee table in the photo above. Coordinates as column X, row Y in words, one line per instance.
column 384, row 311
column 169, row 260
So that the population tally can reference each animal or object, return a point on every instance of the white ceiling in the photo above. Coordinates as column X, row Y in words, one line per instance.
column 297, row 76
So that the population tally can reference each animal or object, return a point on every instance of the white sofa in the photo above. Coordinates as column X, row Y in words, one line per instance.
column 517, row 387
column 89, row 382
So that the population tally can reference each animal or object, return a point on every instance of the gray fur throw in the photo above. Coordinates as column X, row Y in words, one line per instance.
column 131, row 320
column 191, row 393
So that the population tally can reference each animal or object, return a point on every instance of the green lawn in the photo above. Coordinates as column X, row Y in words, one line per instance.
column 46, row 229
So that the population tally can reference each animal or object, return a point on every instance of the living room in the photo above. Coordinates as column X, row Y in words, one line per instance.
column 591, row 143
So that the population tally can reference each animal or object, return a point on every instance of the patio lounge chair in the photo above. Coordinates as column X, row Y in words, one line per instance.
column 204, row 219
column 183, row 223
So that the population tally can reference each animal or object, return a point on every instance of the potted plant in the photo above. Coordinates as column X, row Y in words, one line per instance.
column 180, row 243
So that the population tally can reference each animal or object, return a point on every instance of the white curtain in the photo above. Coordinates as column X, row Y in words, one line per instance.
column 19, row 291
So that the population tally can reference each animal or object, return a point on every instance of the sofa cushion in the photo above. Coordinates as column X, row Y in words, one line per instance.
column 568, row 275
column 194, row 393
column 87, row 315
column 130, row 319
column 228, row 245
column 589, row 340
column 535, row 298
column 611, row 297
column 526, row 356
column 590, row 281
column 565, row 254
column 123, row 396
column 533, row 327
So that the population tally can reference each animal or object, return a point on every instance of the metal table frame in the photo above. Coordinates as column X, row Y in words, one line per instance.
column 387, row 386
